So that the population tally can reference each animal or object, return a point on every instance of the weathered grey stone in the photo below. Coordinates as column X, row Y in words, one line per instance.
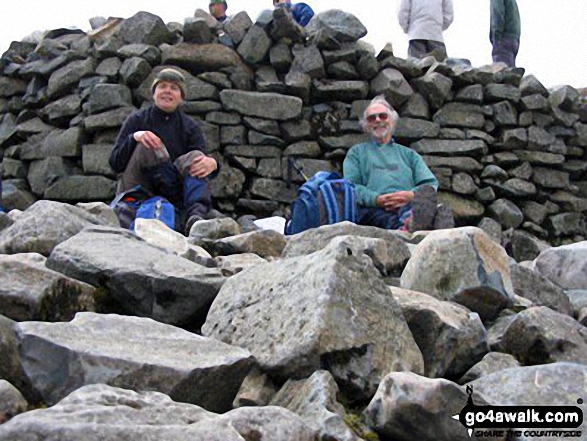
column 256, row 390
column 340, row 330
column 308, row 60
column 451, row 338
column 343, row 70
column 473, row 270
column 463, row 183
column 333, row 27
column 567, row 224
column 462, row 208
column 32, row 292
column 235, row 263
column 236, row 135
column 237, row 26
column 565, row 265
column 303, row 148
column 215, row 228
column 95, row 353
column 578, row 298
column 81, row 188
column 151, row 54
column 102, row 211
column 393, row 85
column 539, row 139
column 540, row 335
column 258, row 138
column 145, row 28
column 139, row 276
column 196, row 30
column 540, row 158
column 134, row 70
column 505, row 114
column 95, row 159
column 541, row 291
column 265, row 243
column 416, row 107
column 10, row 364
column 56, row 143
column 66, row 78
column 551, row 179
column 314, row 399
column 435, row 87
column 43, row 226
column 255, row 45
column 44, row 172
column 109, row 96
column 491, row 363
column 63, row 109
column 460, row 115
column 202, row 57
column 524, row 246
column 458, row 164
column 263, row 105
column 16, row 195
column 111, row 119
column 342, row 142
column 309, row 166
column 564, row 97
column 506, row 213
column 283, row 27
column 515, row 188
column 568, row 201
column 32, row 126
column 416, row 128
column 530, row 85
column 498, row 92
column 273, row 190
column 12, row 402
column 450, row 148
column 346, row 91
column 408, row 406
column 11, row 86
column 389, row 257
column 157, row 234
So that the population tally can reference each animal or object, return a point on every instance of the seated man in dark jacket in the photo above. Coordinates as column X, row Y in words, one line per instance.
column 301, row 12
column 162, row 150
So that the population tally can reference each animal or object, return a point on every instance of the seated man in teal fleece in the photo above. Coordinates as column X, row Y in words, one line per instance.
column 395, row 188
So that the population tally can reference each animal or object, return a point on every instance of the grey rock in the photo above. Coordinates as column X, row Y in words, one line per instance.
column 145, row 28
column 233, row 135
column 298, row 84
column 66, row 78
column 109, row 96
column 416, row 107
column 551, row 179
column 515, row 138
column 270, row 168
column 257, row 138
column 568, row 201
column 151, row 54
column 463, row 183
column 523, row 171
column 255, row 45
column 263, row 105
column 530, row 86
column 280, row 57
column 111, row 119
column 578, row 300
column 505, row 114
column 416, row 128
column 309, row 167
column 237, row 26
column 346, row 91
column 102, row 211
column 393, row 85
column 472, row 94
column 235, row 263
column 408, row 406
column 95, row 159
column 451, row 338
column 265, row 243
column 46, row 171
column 303, row 148
column 540, row 158
column 314, row 399
column 343, row 70
column 567, row 224
column 492, row 228
column 460, row 115
column 215, row 228
column 540, row 335
column 55, row 143
column 442, row 147
column 458, row 164
column 196, row 30
column 11, row 86
column 138, row 276
column 564, row 97
column 292, row 344
column 539, row 139
column 535, row 102
column 473, row 270
column 32, row 292
column 462, row 208
column 435, row 87
column 257, row 389
column 16, row 196
column 541, row 291
column 284, row 27
column 386, row 248
column 565, row 265
column 43, row 226
column 498, row 92
column 63, row 109
column 134, row 70
column 12, row 402
column 273, row 190
column 32, row 126
column 534, row 212
column 10, row 364
column 252, row 151
column 89, row 350
column 515, row 188
column 81, row 188
column 506, row 213
column 491, row 363
column 202, row 57
column 524, row 246
column 308, row 60
column 333, row 27
column 494, row 172
column 228, row 183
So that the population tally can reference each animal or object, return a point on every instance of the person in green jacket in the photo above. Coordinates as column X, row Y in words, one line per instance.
column 504, row 31
column 395, row 188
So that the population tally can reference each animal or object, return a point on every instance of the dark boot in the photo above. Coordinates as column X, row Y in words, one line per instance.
column 423, row 209
column 197, row 201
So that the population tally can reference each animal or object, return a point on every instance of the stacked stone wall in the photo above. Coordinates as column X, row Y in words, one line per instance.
column 500, row 143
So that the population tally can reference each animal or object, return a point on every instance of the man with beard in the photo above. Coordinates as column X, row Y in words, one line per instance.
column 160, row 151
column 395, row 188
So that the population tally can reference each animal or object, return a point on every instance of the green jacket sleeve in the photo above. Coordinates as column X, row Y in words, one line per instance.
column 422, row 174
column 353, row 172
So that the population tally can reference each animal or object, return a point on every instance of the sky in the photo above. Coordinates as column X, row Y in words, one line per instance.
column 553, row 45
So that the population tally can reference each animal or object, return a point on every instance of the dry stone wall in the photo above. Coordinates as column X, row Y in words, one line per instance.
column 500, row 143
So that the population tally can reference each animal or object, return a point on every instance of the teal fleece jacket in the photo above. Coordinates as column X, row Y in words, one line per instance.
column 379, row 169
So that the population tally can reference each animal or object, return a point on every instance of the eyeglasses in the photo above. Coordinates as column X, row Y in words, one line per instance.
column 373, row 117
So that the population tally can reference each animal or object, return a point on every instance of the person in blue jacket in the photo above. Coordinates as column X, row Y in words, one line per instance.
column 162, row 151
column 301, row 12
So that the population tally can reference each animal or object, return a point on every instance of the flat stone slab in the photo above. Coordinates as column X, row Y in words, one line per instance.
column 262, row 105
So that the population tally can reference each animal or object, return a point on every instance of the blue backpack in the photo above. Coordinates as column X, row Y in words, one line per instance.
column 156, row 207
column 324, row 199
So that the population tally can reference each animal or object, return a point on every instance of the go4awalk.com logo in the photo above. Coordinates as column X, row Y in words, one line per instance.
column 527, row 421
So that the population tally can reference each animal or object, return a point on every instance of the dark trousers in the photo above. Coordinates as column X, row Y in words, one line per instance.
column 506, row 50
column 153, row 171
column 420, row 48
column 378, row 217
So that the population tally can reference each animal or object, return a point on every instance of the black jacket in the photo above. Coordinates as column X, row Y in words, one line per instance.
column 179, row 133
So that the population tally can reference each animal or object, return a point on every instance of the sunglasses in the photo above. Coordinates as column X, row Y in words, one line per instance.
column 373, row 117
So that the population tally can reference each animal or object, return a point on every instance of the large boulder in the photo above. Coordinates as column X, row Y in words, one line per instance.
column 262, row 105
column 333, row 27
column 11, row 401
column 463, row 265
column 540, row 335
column 145, row 28
column 61, row 357
column 566, row 265
column 10, row 365
column 491, row 362
column 145, row 280
column 103, row 413
column 342, row 317
column 450, row 337
column 43, row 226
column 30, row 291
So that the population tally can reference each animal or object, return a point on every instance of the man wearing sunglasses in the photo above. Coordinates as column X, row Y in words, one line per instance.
column 395, row 188
column 301, row 12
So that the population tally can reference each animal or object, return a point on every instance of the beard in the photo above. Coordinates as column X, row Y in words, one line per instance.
column 380, row 131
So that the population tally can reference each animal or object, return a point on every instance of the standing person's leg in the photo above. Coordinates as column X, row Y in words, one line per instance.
column 197, row 198
column 506, row 50
column 438, row 47
column 417, row 48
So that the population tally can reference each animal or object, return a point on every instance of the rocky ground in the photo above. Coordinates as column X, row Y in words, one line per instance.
column 236, row 333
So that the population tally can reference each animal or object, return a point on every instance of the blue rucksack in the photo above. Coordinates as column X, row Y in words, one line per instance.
column 324, row 199
column 156, row 207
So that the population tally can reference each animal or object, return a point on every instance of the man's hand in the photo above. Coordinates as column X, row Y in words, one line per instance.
column 202, row 166
column 393, row 201
column 149, row 139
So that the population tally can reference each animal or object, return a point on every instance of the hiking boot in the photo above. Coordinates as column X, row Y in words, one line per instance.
column 444, row 218
column 423, row 209
column 190, row 222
